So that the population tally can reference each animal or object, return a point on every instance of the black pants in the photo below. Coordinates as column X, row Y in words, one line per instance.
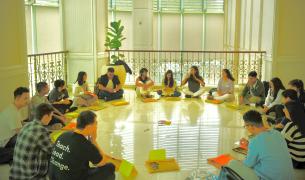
column 298, row 165
column 7, row 152
column 105, row 172
column 63, row 107
column 110, row 96
column 102, row 173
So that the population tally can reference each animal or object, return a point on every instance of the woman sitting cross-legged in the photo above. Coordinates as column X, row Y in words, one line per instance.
column 274, row 95
column 294, row 133
column 169, row 86
column 225, row 88
column 195, row 83
column 82, row 95
column 144, row 84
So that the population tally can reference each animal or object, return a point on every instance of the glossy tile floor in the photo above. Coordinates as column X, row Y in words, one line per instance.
column 198, row 131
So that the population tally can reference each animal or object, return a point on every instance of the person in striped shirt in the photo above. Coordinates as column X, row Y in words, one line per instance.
column 294, row 133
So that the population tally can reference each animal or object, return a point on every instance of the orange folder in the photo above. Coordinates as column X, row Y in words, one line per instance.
column 70, row 127
column 220, row 160
column 89, row 93
column 146, row 100
column 213, row 101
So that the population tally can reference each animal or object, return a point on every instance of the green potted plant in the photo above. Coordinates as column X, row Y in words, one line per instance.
column 114, row 42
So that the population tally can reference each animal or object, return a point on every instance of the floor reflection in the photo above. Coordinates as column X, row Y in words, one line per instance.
column 198, row 131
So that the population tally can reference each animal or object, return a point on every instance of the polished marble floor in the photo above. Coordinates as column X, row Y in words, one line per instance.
column 198, row 131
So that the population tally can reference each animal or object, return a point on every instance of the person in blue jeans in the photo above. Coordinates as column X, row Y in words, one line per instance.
column 109, row 86
column 268, row 156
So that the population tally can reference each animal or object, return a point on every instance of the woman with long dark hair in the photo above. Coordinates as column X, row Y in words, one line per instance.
column 169, row 85
column 81, row 92
column 195, row 83
column 298, row 86
column 225, row 88
column 294, row 132
column 144, row 84
column 274, row 95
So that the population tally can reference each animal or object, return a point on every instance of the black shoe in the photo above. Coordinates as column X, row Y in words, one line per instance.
column 188, row 96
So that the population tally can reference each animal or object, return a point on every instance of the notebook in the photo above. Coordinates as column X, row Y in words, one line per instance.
column 96, row 108
column 55, row 134
column 220, row 160
column 72, row 115
column 70, row 127
column 172, row 98
column 146, row 100
column 157, row 154
column 120, row 103
column 162, row 165
column 213, row 101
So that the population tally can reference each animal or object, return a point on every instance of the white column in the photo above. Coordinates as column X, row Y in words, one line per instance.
column 13, row 64
column 142, row 24
column 84, row 24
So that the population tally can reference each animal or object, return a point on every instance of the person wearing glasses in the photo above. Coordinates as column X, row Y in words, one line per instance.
column 268, row 156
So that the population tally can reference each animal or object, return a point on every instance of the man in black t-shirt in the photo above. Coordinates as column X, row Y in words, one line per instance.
column 74, row 150
column 109, row 86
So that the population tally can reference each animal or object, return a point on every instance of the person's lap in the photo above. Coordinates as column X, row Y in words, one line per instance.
column 111, row 96
column 7, row 152
column 242, row 170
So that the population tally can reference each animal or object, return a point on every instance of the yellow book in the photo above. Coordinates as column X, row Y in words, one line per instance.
column 233, row 106
column 172, row 98
column 55, row 134
column 96, row 108
column 72, row 115
column 157, row 154
column 162, row 165
column 127, row 169
column 120, row 103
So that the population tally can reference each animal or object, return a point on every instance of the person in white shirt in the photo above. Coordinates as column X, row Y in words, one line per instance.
column 10, row 124
column 274, row 95
column 81, row 92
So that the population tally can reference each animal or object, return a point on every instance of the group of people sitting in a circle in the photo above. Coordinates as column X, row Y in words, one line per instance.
column 27, row 146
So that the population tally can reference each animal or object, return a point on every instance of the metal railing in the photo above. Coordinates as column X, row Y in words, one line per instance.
column 46, row 67
column 210, row 63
